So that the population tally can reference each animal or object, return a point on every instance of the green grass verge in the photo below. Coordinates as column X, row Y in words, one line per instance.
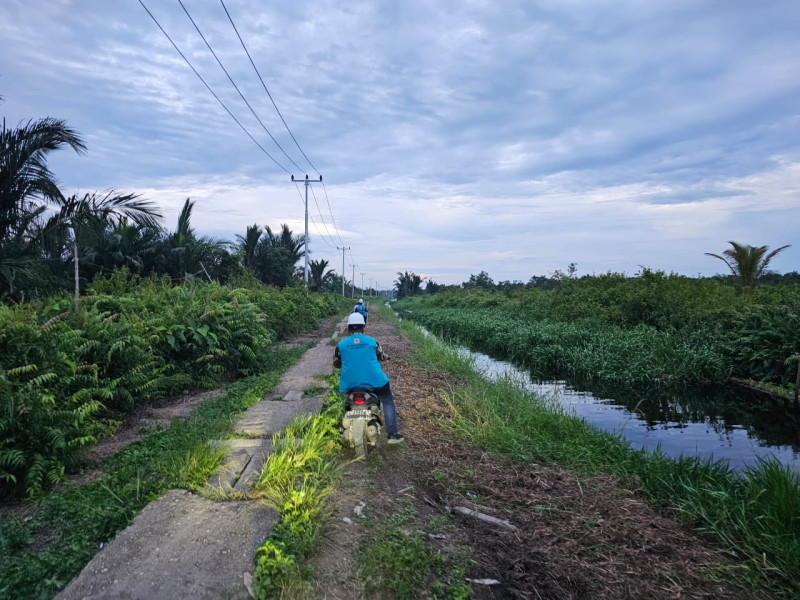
column 298, row 476
column 41, row 553
column 401, row 563
column 755, row 514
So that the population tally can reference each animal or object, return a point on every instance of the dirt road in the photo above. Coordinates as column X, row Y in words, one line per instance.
column 573, row 537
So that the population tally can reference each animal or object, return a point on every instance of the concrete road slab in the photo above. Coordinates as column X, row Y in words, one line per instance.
column 180, row 546
column 269, row 417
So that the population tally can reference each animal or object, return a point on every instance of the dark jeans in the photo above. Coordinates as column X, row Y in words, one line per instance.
column 384, row 394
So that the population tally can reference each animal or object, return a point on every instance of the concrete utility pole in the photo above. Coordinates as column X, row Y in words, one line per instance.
column 353, row 288
column 362, row 284
column 305, row 237
column 343, row 249
column 370, row 286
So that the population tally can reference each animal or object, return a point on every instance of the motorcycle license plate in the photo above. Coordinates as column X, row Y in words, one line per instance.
column 358, row 414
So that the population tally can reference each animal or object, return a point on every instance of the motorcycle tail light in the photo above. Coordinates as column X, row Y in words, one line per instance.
column 359, row 398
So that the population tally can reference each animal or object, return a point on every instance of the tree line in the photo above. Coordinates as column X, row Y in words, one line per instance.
column 51, row 242
column 748, row 265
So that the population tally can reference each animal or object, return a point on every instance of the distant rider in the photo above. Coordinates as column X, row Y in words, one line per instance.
column 361, row 309
column 358, row 355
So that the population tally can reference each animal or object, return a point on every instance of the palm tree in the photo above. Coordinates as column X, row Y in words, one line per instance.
column 747, row 263
column 92, row 211
column 319, row 277
column 24, row 176
column 187, row 254
column 26, row 187
column 247, row 245
column 408, row 284
column 293, row 244
column 122, row 244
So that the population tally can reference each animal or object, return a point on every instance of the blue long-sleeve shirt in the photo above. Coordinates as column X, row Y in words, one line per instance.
column 358, row 356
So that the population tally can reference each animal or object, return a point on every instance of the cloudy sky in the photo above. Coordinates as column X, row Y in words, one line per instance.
column 511, row 136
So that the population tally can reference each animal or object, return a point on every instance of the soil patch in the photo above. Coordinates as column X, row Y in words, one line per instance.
column 575, row 537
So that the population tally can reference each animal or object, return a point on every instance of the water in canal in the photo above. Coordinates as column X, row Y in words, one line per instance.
column 715, row 423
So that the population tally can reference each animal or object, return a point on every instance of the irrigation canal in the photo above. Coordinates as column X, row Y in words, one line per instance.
column 714, row 422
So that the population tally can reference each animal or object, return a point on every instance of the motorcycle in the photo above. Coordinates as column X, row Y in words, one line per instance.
column 362, row 423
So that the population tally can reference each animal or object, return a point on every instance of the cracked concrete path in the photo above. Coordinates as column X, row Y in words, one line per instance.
column 189, row 546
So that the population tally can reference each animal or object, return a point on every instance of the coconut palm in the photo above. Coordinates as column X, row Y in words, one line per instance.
column 186, row 254
column 408, row 284
column 26, row 187
column 293, row 244
column 747, row 263
column 122, row 244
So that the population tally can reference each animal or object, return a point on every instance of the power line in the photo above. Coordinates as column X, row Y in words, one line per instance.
column 313, row 193
column 261, row 79
column 233, row 83
column 265, row 88
column 208, row 87
column 332, row 242
column 299, row 193
column 335, row 228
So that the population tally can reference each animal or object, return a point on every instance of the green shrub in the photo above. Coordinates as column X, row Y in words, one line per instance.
column 64, row 380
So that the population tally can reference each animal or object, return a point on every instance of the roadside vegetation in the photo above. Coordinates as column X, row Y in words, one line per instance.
column 102, row 308
column 303, row 470
column 66, row 381
column 652, row 328
column 754, row 515
column 300, row 473
column 43, row 547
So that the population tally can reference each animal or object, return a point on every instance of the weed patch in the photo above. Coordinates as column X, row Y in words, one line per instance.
column 401, row 562
column 296, row 480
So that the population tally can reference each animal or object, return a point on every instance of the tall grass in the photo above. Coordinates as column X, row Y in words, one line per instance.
column 296, row 480
column 755, row 514
column 587, row 348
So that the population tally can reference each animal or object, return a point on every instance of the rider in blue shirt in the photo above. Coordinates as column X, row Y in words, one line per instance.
column 358, row 355
column 361, row 309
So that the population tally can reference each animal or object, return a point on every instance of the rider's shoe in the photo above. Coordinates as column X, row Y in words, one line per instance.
column 395, row 438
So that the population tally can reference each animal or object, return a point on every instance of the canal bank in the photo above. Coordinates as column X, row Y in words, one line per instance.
column 755, row 517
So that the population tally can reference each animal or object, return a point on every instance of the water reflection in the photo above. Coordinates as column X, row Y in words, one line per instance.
column 714, row 422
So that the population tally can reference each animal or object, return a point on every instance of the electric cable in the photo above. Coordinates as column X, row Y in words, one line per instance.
column 242, row 127
column 313, row 193
column 265, row 88
column 335, row 228
column 236, row 87
column 299, row 193
column 261, row 79
column 208, row 87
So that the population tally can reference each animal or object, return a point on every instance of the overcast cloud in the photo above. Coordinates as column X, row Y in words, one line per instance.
column 508, row 136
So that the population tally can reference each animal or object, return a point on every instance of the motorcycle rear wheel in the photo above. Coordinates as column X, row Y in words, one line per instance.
column 360, row 438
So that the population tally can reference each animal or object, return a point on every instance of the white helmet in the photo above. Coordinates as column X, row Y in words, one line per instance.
column 355, row 319
column 361, row 301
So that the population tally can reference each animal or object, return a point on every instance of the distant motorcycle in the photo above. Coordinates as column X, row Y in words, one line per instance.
column 362, row 424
